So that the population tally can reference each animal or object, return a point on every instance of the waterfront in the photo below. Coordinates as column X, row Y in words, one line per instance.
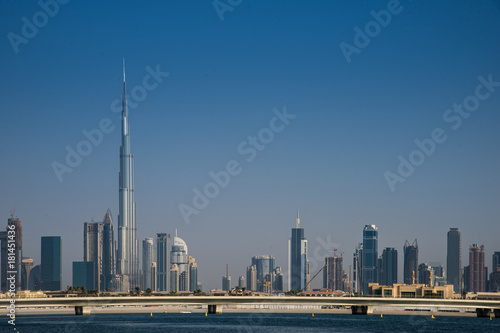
column 251, row 322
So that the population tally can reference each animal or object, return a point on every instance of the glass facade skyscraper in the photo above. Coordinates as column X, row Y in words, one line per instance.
column 163, row 261
column 148, row 257
column 389, row 266
column 226, row 283
column 264, row 265
column 298, row 265
column 410, row 264
column 174, row 278
column 84, row 275
column 357, row 264
column 18, row 252
column 51, row 275
column 370, row 255
column 454, row 259
column 193, row 276
column 99, row 248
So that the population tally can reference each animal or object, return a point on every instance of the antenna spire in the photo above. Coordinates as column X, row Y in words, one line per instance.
column 298, row 220
column 123, row 70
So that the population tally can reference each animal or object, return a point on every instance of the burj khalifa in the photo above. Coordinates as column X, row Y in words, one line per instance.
column 128, row 250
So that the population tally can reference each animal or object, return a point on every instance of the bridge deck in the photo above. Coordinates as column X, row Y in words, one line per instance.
column 227, row 300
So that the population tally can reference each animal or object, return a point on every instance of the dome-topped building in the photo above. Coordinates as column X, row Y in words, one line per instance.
column 179, row 256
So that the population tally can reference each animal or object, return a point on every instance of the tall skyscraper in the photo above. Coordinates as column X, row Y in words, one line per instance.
column 35, row 279
column 163, row 261
column 148, row 257
column 27, row 266
column 333, row 273
column 193, row 274
column 179, row 256
column 3, row 259
column 494, row 282
column 252, row 278
column 99, row 248
column 226, row 283
column 370, row 255
column 426, row 274
column 410, row 265
column 390, row 266
column 174, row 278
column 264, row 265
column 357, row 264
column 495, row 262
column 380, row 269
column 153, row 277
column 437, row 268
column 476, row 268
column 297, row 258
column 128, row 247
column 453, row 259
column 18, row 252
column 466, row 278
column 241, row 282
column 51, row 275
column 278, row 280
column 84, row 275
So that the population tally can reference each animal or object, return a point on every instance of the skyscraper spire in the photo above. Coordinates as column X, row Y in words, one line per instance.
column 298, row 220
column 128, row 247
column 124, row 70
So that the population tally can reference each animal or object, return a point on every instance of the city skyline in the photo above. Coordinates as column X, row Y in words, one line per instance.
column 474, row 277
column 198, row 89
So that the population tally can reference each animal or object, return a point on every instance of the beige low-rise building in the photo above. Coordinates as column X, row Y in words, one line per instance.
column 401, row 290
column 25, row 294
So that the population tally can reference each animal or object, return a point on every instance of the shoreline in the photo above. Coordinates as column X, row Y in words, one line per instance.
column 165, row 310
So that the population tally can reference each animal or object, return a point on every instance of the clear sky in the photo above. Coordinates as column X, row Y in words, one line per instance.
column 228, row 70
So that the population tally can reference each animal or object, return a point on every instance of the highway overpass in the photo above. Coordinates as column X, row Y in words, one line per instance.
column 359, row 305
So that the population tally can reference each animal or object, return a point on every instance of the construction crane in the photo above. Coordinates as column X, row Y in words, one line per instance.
column 13, row 211
column 307, row 284
column 93, row 219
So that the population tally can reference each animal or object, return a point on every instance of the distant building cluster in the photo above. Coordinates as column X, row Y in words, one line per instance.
column 426, row 278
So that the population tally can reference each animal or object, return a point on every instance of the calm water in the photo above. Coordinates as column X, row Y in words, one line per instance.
column 248, row 323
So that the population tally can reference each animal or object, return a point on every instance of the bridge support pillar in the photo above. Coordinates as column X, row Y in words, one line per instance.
column 497, row 313
column 483, row 313
column 361, row 310
column 82, row 310
column 214, row 309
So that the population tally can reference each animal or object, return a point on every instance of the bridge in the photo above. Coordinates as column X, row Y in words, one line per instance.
column 359, row 305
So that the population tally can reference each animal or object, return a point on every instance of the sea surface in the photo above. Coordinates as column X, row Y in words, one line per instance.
column 252, row 322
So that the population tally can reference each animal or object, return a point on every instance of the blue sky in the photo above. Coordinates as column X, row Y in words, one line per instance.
column 353, row 121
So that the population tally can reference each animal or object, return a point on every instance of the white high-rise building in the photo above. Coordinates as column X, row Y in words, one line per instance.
column 179, row 256
column 148, row 257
